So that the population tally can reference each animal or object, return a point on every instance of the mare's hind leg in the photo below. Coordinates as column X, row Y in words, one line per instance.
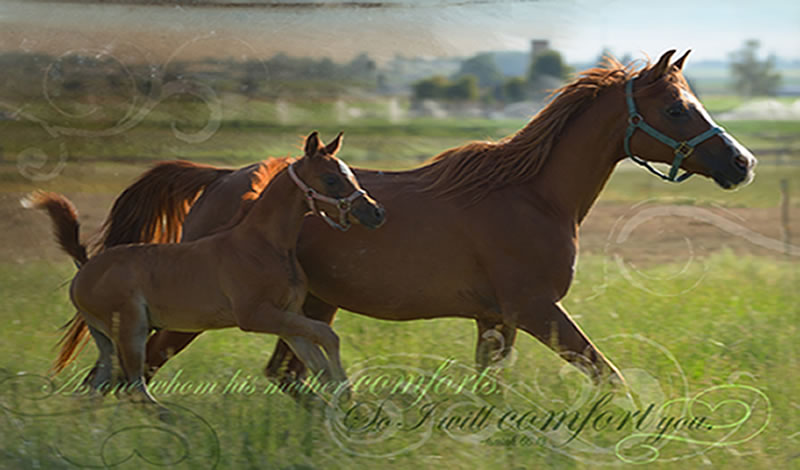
column 161, row 346
column 548, row 322
column 495, row 342
column 131, row 338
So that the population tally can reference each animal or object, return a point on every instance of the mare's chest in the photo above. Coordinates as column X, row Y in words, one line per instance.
column 530, row 249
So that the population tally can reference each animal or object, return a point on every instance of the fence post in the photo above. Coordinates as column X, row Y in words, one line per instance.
column 787, row 235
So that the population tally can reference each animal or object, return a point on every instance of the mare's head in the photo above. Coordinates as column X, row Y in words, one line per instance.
column 668, row 124
column 329, row 182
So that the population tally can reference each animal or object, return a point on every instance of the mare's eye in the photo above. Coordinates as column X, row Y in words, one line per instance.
column 330, row 180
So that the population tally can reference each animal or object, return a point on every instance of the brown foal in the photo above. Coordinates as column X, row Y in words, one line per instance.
column 244, row 275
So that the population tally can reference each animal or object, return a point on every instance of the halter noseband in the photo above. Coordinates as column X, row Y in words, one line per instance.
column 344, row 204
column 682, row 149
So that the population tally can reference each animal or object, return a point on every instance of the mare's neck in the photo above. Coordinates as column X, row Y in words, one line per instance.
column 585, row 154
column 278, row 214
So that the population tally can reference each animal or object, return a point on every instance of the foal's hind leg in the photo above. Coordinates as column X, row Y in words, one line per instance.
column 100, row 377
column 131, row 339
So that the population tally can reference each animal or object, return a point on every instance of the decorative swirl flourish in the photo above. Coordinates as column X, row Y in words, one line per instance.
column 31, row 161
column 86, row 117
column 640, row 440
column 195, row 441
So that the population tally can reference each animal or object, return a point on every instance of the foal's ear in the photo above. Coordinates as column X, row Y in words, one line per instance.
column 661, row 66
column 679, row 63
column 312, row 144
column 335, row 145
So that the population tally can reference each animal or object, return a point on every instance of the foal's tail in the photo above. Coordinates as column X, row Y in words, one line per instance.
column 67, row 230
column 65, row 222
column 153, row 208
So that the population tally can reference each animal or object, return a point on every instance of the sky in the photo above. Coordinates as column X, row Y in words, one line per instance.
column 579, row 29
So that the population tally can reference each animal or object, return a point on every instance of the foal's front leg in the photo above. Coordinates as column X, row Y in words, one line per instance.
column 296, row 328
column 284, row 365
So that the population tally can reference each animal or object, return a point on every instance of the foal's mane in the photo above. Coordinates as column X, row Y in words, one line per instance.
column 477, row 168
column 267, row 171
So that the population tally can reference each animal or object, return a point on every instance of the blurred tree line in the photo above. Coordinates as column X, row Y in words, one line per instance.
column 753, row 76
column 35, row 75
column 479, row 78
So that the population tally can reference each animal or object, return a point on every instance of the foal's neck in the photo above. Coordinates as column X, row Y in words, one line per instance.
column 585, row 155
column 278, row 213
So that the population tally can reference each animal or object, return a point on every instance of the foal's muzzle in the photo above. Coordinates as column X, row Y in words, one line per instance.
column 369, row 213
column 344, row 205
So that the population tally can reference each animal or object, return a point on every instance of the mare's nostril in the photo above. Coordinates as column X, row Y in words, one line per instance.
column 742, row 162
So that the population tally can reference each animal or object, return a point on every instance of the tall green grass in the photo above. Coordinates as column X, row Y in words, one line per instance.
column 725, row 321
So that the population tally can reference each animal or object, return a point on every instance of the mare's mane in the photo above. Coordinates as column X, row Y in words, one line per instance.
column 477, row 168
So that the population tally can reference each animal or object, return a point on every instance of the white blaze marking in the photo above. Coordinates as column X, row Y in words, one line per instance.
column 692, row 100
column 345, row 170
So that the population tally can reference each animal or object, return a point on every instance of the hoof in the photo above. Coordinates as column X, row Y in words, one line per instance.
column 165, row 415
column 343, row 393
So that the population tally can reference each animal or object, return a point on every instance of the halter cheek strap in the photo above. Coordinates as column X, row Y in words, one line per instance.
column 343, row 204
column 682, row 149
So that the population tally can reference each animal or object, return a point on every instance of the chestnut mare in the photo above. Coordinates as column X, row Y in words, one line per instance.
column 487, row 231
column 246, row 275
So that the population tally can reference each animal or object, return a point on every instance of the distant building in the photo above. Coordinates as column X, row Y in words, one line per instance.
column 538, row 46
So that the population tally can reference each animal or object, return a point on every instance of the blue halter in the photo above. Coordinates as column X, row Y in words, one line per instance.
column 682, row 149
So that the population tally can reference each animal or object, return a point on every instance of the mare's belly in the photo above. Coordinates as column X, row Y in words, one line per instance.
column 395, row 275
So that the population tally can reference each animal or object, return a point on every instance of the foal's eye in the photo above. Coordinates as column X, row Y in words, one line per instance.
column 676, row 110
column 330, row 180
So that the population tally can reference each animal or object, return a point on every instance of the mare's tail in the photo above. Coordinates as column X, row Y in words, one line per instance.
column 153, row 208
column 67, row 230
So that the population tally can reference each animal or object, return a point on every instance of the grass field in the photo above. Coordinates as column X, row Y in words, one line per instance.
column 702, row 322
column 719, row 333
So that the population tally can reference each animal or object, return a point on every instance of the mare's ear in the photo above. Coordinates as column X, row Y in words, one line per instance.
column 661, row 67
column 335, row 145
column 313, row 144
column 679, row 63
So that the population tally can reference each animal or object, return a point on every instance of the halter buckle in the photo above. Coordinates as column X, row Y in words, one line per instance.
column 684, row 149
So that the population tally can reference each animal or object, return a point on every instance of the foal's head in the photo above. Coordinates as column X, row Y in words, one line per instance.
column 663, row 101
column 329, row 182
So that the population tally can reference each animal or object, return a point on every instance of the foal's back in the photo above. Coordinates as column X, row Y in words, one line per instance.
column 183, row 287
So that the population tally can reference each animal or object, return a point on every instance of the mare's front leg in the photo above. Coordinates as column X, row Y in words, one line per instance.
column 548, row 322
